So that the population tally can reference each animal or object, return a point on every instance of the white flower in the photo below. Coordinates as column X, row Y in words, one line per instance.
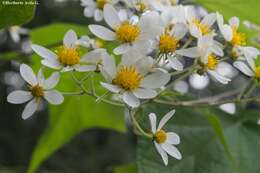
column 67, row 57
column 237, row 39
column 207, row 51
column 200, row 27
column 129, row 34
column 135, row 78
column 249, row 68
column 140, row 5
column 174, row 15
column 86, row 41
column 95, row 8
column 167, row 44
column 164, row 141
column 39, row 88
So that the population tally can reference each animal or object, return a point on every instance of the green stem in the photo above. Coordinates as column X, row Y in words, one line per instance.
column 248, row 89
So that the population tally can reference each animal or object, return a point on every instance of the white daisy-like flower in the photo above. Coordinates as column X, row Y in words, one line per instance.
column 197, row 26
column 140, row 5
column 167, row 44
column 237, row 39
column 162, row 5
column 39, row 89
column 67, row 57
column 207, row 51
column 165, row 141
column 135, row 78
column 249, row 68
column 129, row 34
column 174, row 14
column 95, row 8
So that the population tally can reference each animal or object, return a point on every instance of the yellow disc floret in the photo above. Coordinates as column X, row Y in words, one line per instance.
column 37, row 91
column 167, row 43
column 257, row 72
column 160, row 136
column 101, row 4
column 127, row 33
column 140, row 6
column 238, row 37
column 204, row 28
column 68, row 56
column 212, row 62
column 128, row 78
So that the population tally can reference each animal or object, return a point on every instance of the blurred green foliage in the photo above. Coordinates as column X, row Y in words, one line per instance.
column 16, row 14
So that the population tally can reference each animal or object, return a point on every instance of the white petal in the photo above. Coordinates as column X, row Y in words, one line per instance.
column 228, row 108
column 43, row 52
column 121, row 49
column 102, row 32
column 171, row 150
column 175, row 63
column 70, row 39
column 53, row 97
column 227, row 32
column 54, row 64
column 52, row 81
column 130, row 99
column 243, row 68
column 234, row 21
column 162, row 153
column 110, row 87
column 40, row 77
column 109, row 66
column 28, row 74
column 144, row 64
column 18, row 97
column 219, row 77
column 165, row 118
column 89, row 11
column 195, row 31
column 30, row 108
column 155, row 80
column 98, row 15
column 111, row 16
column 85, row 68
column 192, row 52
column 144, row 93
column 179, row 30
column 173, row 138
column 152, row 118
column 209, row 19
column 67, row 69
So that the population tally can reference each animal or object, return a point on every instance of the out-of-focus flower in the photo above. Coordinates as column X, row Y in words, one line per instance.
column 164, row 141
column 229, row 108
column 135, row 78
column 86, row 41
column 39, row 88
column 198, row 82
column 15, row 33
column 182, row 87
column 130, row 35
column 207, row 51
column 67, row 57
column 95, row 8
column 248, row 68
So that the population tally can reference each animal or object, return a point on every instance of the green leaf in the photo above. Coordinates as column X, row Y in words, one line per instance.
column 16, row 14
column 77, row 113
column 203, row 146
column 129, row 168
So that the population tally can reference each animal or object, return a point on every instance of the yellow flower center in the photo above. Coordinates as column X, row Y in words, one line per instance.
column 173, row 2
column 167, row 43
column 257, row 72
column 212, row 62
column 68, row 56
column 37, row 91
column 238, row 37
column 204, row 29
column 140, row 6
column 128, row 78
column 160, row 136
column 101, row 3
column 127, row 33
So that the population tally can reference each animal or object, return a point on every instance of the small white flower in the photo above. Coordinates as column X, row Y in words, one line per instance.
column 67, row 57
column 174, row 15
column 200, row 27
column 167, row 43
column 135, row 78
column 164, row 141
column 129, row 34
column 249, row 68
column 207, row 51
column 86, row 41
column 229, row 108
column 95, row 8
column 237, row 39
column 39, row 88
column 140, row 5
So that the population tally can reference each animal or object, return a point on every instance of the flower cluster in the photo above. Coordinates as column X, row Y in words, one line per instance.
column 156, row 43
